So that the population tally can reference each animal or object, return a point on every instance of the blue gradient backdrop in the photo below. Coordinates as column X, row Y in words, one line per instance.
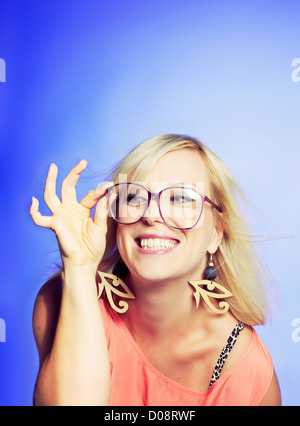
column 91, row 79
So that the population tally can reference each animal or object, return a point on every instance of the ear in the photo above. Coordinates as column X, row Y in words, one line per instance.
column 217, row 237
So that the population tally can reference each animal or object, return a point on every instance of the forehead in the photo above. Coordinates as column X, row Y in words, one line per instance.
column 183, row 165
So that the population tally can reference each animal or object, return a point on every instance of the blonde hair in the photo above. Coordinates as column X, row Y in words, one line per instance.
column 237, row 260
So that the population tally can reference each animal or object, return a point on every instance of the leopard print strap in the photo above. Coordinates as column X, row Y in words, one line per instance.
column 225, row 352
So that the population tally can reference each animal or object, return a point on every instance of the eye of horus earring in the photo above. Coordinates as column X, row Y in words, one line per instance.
column 210, row 273
column 110, row 284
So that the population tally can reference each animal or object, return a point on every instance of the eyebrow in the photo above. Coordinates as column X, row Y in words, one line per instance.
column 171, row 184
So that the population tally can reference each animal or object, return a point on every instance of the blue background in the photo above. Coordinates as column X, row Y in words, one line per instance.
column 91, row 79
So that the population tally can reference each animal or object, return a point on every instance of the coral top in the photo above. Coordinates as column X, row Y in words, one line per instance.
column 135, row 382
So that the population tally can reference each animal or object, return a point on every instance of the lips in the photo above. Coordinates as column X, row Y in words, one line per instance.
column 156, row 243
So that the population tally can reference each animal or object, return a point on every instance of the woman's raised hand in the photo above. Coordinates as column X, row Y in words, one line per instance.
column 81, row 239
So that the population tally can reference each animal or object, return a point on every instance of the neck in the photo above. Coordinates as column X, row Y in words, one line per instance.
column 160, row 308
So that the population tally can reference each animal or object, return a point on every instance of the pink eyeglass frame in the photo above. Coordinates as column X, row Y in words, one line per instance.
column 156, row 197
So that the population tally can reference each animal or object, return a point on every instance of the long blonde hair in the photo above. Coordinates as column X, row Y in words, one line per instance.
column 237, row 261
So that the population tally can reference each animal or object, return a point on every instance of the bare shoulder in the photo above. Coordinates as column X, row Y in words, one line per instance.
column 45, row 314
column 242, row 342
column 244, row 339
column 273, row 395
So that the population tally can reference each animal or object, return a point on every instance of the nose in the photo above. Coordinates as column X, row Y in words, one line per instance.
column 152, row 213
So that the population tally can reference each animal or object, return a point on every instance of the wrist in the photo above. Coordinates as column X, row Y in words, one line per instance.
column 74, row 275
column 79, row 282
column 71, row 268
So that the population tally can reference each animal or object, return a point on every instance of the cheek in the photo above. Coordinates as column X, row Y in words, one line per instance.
column 197, row 250
column 122, row 239
column 197, row 243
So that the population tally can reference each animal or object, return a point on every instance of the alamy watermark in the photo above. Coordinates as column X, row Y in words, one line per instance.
column 296, row 71
column 296, row 331
column 2, row 331
column 179, row 204
column 2, row 71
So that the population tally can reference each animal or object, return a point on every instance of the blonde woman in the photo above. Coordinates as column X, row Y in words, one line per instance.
column 159, row 291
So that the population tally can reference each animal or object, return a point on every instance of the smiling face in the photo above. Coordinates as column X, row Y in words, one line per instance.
column 154, row 251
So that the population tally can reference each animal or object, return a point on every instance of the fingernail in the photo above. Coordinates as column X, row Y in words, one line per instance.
column 34, row 200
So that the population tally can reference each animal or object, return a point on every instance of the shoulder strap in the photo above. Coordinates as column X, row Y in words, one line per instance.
column 225, row 352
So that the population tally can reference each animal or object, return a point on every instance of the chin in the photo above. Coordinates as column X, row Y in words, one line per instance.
column 153, row 275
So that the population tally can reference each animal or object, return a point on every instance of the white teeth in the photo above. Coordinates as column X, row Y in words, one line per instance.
column 157, row 244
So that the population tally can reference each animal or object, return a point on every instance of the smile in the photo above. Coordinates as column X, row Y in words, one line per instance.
column 157, row 244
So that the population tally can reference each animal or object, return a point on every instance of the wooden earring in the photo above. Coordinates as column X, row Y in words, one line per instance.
column 109, row 283
column 210, row 273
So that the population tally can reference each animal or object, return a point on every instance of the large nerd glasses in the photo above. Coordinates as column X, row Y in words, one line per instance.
column 179, row 207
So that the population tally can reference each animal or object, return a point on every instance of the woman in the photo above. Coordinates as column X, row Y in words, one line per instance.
column 171, row 258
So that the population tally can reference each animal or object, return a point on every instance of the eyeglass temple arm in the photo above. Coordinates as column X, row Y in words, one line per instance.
column 213, row 204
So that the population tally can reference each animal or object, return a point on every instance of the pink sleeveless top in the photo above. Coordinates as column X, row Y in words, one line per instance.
column 135, row 382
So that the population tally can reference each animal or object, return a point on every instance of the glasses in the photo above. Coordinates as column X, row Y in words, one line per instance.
column 179, row 207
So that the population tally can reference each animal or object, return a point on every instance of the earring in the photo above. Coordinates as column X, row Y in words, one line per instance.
column 109, row 282
column 210, row 273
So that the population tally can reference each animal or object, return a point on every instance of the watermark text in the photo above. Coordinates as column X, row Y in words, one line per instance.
column 141, row 417
column 180, row 205
column 296, row 71
column 2, row 331
column 296, row 331
column 2, row 71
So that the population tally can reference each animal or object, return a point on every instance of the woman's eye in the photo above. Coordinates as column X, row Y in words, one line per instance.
column 134, row 200
column 181, row 198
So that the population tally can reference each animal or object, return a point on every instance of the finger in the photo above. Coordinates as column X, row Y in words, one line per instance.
column 101, row 212
column 50, row 197
column 92, row 197
column 68, row 191
column 38, row 219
